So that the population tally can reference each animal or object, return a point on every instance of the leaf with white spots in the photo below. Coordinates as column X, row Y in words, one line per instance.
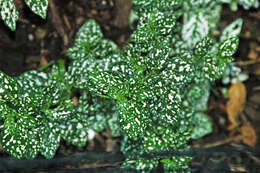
column 88, row 36
column 9, row 89
column 198, row 96
column 9, row 13
column 113, row 125
column 50, row 140
column 141, row 165
column 39, row 7
column 131, row 119
column 176, row 164
column 195, row 28
column 245, row 3
column 249, row 3
column 202, row 125
column 108, row 83
column 232, row 30
column 74, row 132
column 20, row 138
column 229, row 47
column 203, row 47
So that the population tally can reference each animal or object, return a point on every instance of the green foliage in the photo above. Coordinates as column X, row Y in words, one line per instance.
column 153, row 92
column 9, row 13
column 31, row 123
column 148, row 77
column 37, row 112
column 245, row 3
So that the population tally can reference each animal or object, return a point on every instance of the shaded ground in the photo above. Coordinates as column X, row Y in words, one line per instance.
column 38, row 41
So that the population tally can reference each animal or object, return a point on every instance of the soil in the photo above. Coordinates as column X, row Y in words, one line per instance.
column 36, row 42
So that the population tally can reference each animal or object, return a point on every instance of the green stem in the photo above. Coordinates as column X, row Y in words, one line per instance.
column 42, row 68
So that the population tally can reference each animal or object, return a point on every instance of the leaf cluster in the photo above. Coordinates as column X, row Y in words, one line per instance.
column 153, row 92
column 160, row 81
column 9, row 14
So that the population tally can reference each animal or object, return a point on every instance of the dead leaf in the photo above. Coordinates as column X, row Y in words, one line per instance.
column 43, row 61
column 249, row 135
column 252, row 54
column 235, row 104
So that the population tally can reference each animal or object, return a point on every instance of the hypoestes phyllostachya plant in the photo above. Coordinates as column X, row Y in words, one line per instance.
column 36, row 111
column 153, row 92
column 160, row 80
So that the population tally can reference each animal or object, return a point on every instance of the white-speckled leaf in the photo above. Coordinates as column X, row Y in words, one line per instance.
column 194, row 28
column 245, row 3
column 9, row 13
column 50, row 140
column 249, row 3
column 229, row 47
column 39, row 7
column 20, row 138
column 75, row 132
column 9, row 89
column 113, row 125
column 232, row 30
column 89, row 32
column 198, row 96
column 202, row 125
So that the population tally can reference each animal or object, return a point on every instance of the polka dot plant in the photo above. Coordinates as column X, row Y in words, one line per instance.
column 160, row 91
column 152, row 92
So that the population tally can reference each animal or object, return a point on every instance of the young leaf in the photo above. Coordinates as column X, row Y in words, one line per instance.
column 20, row 136
column 228, row 47
column 39, row 7
column 195, row 28
column 50, row 142
column 88, row 36
column 9, row 13
column 9, row 89
column 232, row 30
column 203, row 125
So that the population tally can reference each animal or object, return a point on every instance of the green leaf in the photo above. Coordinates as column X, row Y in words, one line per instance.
column 74, row 132
column 229, row 47
column 39, row 7
column 50, row 139
column 108, row 83
column 203, row 125
column 204, row 46
column 89, row 32
column 87, row 38
column 249, row 3
column 198, row 96
column 20, row 136
column 232, row 30
column 200, row 18
column 114, row 125
column 131, row 119
column 195, row 28
column 78, row 51
column 245, row 3
column 142, row 165
column 176, row 164
column 9, row 89
column 9, row 13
